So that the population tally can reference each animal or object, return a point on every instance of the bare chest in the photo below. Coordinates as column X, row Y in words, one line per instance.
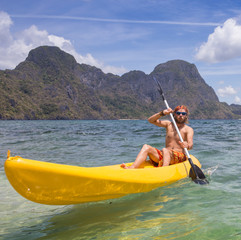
column 172, row 133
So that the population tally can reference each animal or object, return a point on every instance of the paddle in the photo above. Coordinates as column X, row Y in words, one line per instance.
column 195, row 172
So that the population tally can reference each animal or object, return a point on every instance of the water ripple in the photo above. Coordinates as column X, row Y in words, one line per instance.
column 183, row 210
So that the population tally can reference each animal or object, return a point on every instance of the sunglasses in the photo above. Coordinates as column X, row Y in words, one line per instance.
column 183, row 113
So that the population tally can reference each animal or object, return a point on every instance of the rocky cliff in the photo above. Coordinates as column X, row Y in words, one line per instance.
column 50, row 84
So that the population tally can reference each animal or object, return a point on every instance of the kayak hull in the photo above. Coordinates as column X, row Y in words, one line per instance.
column 59, row 184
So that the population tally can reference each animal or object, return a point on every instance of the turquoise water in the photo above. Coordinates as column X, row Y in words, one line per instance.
column 183, row 210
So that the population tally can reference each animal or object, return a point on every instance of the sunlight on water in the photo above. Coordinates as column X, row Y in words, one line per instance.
column 183, row 210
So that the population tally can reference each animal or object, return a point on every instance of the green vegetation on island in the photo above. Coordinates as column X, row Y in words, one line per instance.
column 50, row 84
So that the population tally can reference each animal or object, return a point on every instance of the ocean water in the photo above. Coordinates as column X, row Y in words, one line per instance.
column 183, row 210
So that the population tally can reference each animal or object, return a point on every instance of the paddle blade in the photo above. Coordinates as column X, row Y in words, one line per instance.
column 159, row 88
column 197, row 175
column 201, row 181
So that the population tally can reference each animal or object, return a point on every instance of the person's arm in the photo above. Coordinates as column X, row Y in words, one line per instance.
column 189, row 143
column 154, row 119
column 190, row 135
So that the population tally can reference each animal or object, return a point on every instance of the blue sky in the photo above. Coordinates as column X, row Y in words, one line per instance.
column 119, row 36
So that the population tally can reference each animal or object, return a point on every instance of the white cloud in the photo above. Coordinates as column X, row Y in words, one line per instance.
column 229, row 90
column 5, row 23
column 14, row 50
column 237, row 100
column 223, row 44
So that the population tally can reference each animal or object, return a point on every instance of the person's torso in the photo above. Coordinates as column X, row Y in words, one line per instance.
column 172, row 138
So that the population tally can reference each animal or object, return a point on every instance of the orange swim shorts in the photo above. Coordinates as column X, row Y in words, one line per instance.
column 177, row 157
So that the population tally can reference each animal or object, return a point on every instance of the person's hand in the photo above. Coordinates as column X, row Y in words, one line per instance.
column 167, row 111
column 183, row 144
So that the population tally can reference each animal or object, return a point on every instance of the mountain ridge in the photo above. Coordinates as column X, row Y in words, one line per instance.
column 50, row 84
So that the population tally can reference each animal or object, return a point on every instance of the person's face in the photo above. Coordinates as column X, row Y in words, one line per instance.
column 180, row 116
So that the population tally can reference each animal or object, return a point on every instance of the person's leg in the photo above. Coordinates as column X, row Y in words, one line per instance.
column 177, row 157
column 146, row 150
column 167, row 156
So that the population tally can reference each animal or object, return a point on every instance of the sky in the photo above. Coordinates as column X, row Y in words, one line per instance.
column 118, row 36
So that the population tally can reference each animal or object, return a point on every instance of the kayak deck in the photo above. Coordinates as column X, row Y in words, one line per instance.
column 59, row 184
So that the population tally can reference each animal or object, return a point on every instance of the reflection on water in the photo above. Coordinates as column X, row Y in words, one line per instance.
column 134, row 216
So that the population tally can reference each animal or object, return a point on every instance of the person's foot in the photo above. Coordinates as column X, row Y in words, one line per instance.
column 123, row 165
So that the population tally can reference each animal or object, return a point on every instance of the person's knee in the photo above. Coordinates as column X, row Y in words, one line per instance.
column 146, row 148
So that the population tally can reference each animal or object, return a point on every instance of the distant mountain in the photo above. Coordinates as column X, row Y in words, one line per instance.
column 50, row 84
column 236, row 109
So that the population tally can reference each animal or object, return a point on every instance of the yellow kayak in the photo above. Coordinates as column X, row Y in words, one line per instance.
column 58, row 184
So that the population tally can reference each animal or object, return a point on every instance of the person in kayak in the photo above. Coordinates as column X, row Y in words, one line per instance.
column 174, row 149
